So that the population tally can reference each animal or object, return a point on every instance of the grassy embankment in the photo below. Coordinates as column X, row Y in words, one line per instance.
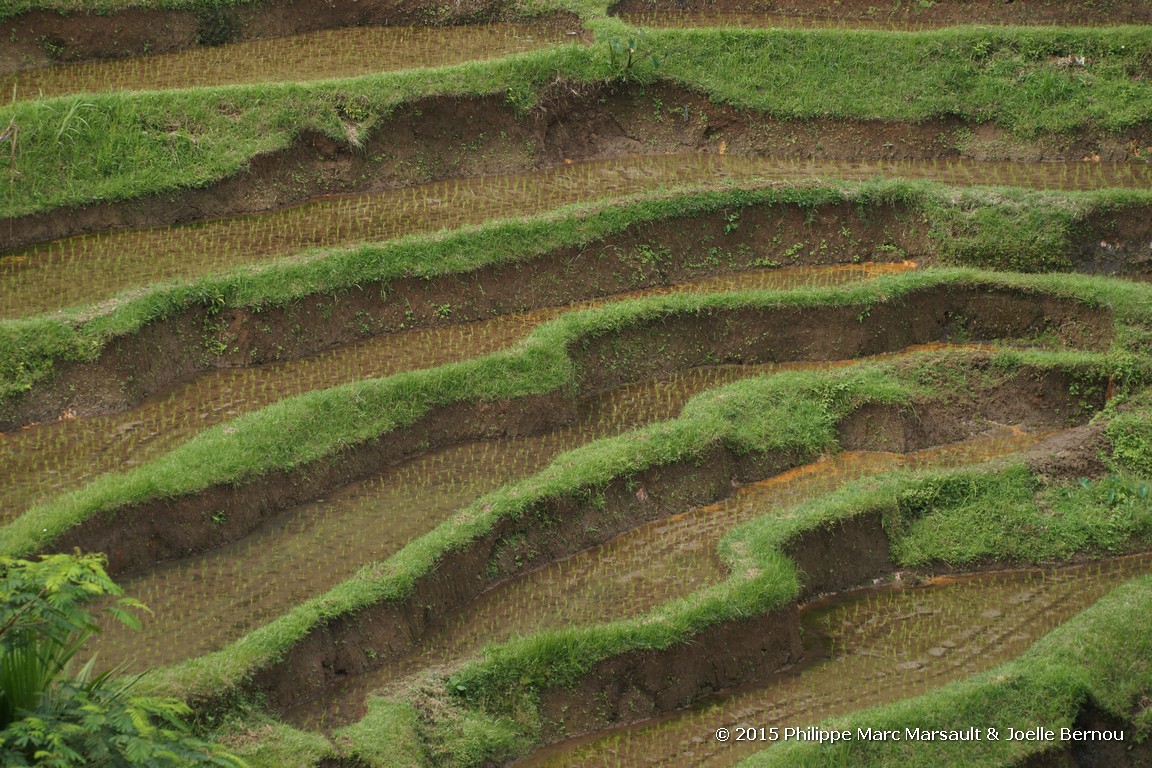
column 115, row 147
column 998, row 511
column 1003, row 229
column 488, row 708
column 294, row 432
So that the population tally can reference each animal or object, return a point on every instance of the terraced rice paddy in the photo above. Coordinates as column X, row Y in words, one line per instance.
column 620, row 534
column 314, row 547
column 329, row 53
column 94, row 268
column 892, row 643
column 47, row 459
column 634, row 573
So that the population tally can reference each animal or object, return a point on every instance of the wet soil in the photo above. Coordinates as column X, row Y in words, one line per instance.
column 911, row 15
column 450, row 137
column 45, row 460
column 865, row 649
column 631, row 574
column 1096, row 754
column 346, row 52
column 43, row 38
column 144, row 533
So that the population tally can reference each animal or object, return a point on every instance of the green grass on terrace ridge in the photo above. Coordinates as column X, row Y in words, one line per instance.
column 90, row 148
column 1000, row 229
column 1102, row 656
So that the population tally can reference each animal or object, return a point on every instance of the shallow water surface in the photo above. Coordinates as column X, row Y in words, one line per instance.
column 634, row 572
column 329, row 53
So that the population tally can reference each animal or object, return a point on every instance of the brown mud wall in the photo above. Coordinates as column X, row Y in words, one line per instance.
column 142, row 534
column 939, row 12
column 421, row 141
column 640, row 685
column 42, row 38
column 820, row 333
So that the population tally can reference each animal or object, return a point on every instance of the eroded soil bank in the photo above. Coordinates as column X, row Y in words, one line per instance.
column 42, row 38
column 914, row 14
column 449, row 136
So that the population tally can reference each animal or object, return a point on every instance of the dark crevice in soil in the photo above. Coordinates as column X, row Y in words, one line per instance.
column 421, row 141
column 139, row 535
column 42, row 38
column 640, row 685
column 940, row 12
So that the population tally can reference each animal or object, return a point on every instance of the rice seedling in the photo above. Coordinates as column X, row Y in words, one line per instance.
column 329, row 53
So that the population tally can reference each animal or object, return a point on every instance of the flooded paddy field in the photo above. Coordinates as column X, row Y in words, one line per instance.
column 633, row 573
column 864, row 649
column 321, row 55
column 47, row 459
column 94, row 268
column 313, row 547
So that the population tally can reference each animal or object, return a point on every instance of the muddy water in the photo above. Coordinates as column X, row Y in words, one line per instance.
column 634, row 572
column 48, row 459
column 320, row 55
column 878, row 646
column 92, row 268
